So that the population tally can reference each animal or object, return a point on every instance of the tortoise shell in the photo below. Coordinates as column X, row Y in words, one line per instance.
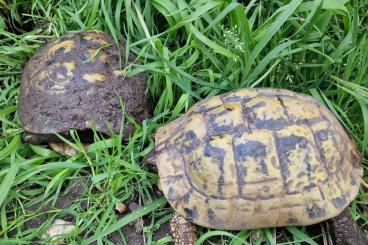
column 77, row 81
column 257, row 158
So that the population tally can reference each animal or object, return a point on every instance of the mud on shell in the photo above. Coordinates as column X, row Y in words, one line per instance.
column 76, row 81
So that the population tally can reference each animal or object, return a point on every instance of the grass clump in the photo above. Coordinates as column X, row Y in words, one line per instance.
column 191, row 50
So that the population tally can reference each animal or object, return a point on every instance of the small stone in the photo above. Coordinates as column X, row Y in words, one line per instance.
column 133, row 206
column 120, row 207
column 65, row 149
column 139, row 225
column 58, row 228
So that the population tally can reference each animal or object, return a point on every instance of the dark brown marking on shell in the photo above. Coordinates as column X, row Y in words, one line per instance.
column 225, row 111
column 203, row 109
column 262, row 181
column 213, row 219
column 215, row 129
column 292, row 221
column 259, row 104
column 289, row 205
column 195, row 164
column 233, row 98
column 279, row 124
column 271, row 124
column 315, row 211
column 339, row 202
column 321, row 192
column 175, row 199
column 322, row 158
column 309, row 186
column 273, row 161
column 322, row 135
column 173, row 178
column 190, row 141
column 191, row 213
column 283, row 146
column 284, row 107
column 171, row 195
column 251, row 149
column 239, row 172
column 352, row 179
column 264, row 167
column 249, row 117
column 218, row 154
column 187, row 196
column 84, row 41
column 309, row 174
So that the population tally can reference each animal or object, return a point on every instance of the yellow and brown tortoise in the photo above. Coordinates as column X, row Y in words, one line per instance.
column 256, row 158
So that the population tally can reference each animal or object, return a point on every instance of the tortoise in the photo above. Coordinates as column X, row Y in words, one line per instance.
column 257, row 158
column 77, row 82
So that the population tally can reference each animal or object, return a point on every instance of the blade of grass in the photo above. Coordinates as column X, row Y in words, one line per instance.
column 270, row 32
column 8, row 180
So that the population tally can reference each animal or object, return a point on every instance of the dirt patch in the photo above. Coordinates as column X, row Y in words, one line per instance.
column 346, row 231
column 132, row 237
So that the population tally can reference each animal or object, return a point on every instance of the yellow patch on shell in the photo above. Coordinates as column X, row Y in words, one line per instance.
column 70, row 66
column 210, row 103
column 67, row 45
column 301, row 111
column 228, row 114
column 96, row 38
column 94, row 77
column 61, row 80
column 267, row 108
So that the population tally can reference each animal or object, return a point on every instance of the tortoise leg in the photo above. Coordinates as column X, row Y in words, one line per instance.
column 65, row 149
column 182, row 230
column 346, row 231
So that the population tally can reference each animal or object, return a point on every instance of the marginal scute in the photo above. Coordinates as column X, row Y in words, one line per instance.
column 299, row 111
column 258, row 158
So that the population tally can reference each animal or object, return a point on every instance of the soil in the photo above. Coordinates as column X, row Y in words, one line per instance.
column 346, row 231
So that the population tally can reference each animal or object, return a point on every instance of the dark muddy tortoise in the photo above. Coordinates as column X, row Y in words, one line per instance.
column 257, row 158
column 77, row 82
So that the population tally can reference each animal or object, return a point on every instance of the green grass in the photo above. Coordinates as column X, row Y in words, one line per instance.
column 191, row 50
